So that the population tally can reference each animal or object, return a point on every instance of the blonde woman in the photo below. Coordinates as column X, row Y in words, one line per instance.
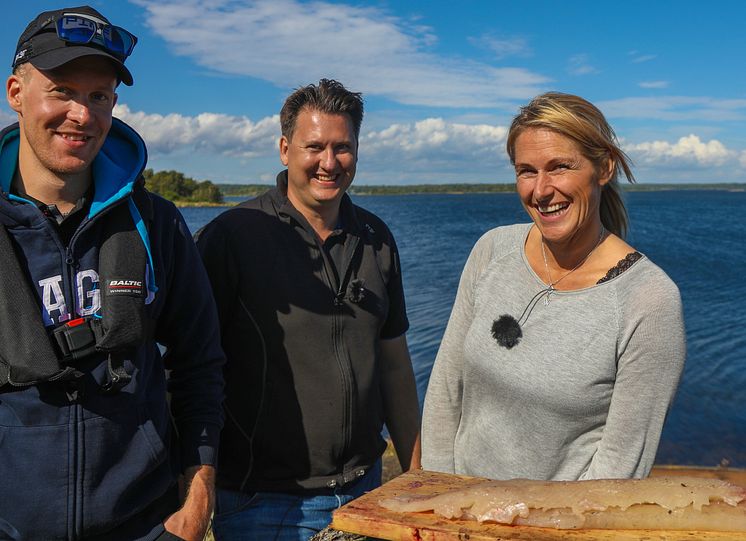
column 565, row 345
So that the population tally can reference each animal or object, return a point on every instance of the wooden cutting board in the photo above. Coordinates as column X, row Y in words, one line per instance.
column 365, row 517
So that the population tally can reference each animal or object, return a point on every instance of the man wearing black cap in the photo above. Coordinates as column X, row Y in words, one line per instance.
column 96, row 272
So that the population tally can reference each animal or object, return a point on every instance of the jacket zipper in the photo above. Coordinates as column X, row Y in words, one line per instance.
column 342, row 361
column 351, row 247
column 75, row 494
column 77, row 435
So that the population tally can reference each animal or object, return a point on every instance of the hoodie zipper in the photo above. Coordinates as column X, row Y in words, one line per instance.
column 77, row 435
column 77, row 438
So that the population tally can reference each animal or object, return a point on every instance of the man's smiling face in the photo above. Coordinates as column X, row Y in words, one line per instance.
column 321, row 157
column 65, row 114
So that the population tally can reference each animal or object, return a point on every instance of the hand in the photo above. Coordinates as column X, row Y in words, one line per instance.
column 191, row 521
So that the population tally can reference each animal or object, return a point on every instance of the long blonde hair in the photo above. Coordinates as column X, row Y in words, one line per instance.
column 581, row 121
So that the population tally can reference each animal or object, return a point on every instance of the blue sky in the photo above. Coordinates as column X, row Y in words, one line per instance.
column 441, row 80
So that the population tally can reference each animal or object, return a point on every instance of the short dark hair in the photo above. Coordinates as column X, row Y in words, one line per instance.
column 329, row 97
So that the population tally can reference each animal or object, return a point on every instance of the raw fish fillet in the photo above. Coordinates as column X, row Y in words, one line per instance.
column 671, row 503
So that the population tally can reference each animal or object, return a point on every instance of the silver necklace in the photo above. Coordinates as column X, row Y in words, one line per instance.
column 551, row 289
column 507, row 330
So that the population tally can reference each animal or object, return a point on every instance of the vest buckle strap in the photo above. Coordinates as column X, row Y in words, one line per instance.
column 117, row 376
column 37, row 354
column 75, row 339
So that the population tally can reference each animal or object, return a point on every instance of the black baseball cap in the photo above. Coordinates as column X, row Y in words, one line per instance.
column 40, row 45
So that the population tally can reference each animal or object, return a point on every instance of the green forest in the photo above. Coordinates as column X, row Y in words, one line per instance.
column 180, row 188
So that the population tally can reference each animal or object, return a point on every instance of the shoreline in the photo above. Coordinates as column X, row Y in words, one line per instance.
column 253, row 190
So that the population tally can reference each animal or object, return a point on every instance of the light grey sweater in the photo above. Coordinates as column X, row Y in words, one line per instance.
column 582, row 396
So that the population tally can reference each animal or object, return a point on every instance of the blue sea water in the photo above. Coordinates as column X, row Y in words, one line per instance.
column 697, row 237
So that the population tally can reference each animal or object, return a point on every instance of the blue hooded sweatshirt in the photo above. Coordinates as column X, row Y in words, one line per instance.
column 84, row 464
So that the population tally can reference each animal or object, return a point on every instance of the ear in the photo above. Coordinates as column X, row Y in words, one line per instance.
column 606, row 172
column 284, row 147
column 114, row 101
column 13, row 88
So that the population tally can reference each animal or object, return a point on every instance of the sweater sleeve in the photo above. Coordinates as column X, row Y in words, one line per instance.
column 188, row 328
column 651, row 357
column 442, row 408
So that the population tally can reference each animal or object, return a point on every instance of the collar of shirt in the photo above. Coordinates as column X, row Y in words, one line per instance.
column 54, row 213
column 66, row 224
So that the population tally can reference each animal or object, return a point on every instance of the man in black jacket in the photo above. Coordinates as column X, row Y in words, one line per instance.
column 313, row 322
column 96, row 273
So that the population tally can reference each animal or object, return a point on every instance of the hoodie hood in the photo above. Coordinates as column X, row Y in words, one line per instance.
column 116, row 170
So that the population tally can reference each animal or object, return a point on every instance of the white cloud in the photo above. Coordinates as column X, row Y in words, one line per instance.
column 502, row 47
column 690, row 150
column 240, row 136
column 428, row 150
column 676, row 108
column 579, row 64
column 639, row 58
column 434, row 139
column 206, row 132
column 434, row 150
column 289, row 43
column 653, row 84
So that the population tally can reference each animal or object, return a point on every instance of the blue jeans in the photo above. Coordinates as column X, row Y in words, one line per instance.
column 277, row 516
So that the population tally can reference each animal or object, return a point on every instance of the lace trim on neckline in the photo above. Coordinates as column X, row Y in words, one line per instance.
column 623, row 264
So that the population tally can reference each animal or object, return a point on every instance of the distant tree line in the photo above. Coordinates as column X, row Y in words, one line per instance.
column 243, row 190
column 660, row 187
column 454, row 188
column 458, row 188
column 252, row 190
column 177, row 187
column 180, row 188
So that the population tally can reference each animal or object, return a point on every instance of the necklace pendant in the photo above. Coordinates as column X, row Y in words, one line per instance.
column 547, row 298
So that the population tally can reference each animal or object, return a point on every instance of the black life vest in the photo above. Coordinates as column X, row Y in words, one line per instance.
column 30, row 355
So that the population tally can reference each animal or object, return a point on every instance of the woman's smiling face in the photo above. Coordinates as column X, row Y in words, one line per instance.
column 558, row 186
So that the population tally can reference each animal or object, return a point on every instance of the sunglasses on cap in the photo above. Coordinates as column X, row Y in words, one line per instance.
column 81, row 29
